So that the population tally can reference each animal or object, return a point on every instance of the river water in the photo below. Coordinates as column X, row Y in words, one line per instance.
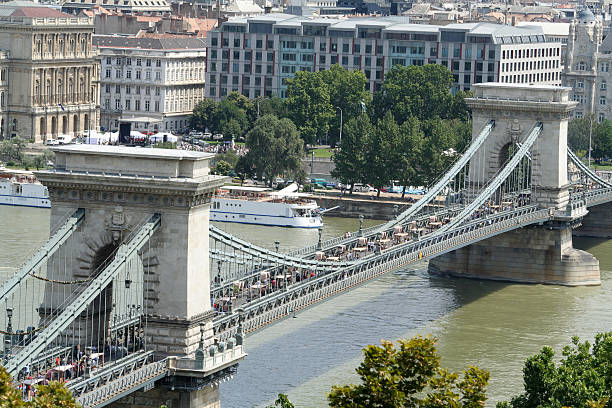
column 489, row 324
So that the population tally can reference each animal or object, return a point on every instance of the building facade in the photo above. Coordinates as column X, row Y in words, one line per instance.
column 588, row 70
column 157, row 79
column 49, row 74
column 256, row 56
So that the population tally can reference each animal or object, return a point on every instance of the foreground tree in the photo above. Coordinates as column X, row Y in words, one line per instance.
column 582, row 379
column 410, row 376
column 274, row 147
column 11, row 150
column 47, row 396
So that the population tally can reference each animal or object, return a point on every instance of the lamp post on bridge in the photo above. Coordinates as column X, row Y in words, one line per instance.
column 219, row 262
column 8, row 338
column 319, row 244
column 340, row 142
column 361, row 225
column 277, row 245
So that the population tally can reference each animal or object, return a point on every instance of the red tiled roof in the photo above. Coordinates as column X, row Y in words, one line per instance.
column 38, row 12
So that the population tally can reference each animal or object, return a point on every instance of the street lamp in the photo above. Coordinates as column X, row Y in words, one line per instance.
column 276, row 245
column 590, row 138
column 340, row 142
column 9, row 314
column 218, row 272
column 8, row 338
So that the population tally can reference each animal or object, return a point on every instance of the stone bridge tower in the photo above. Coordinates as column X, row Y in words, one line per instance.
column 538, row 254
column 120, row 188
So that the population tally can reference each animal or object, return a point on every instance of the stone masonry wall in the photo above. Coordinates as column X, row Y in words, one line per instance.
column 527, row 255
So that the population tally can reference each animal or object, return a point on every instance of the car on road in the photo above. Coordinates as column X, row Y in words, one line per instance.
column 217, row 136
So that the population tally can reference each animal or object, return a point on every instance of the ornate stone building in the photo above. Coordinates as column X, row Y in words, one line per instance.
column 51, row 73
column 589, row 66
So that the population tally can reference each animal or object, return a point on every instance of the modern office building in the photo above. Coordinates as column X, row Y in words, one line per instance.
column 152, row 82
column 49, row 74
column 255, row 56
column 589, row 66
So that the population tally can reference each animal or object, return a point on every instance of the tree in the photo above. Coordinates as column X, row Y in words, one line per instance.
column 578, row 133
column 282, row 402
column 231, row 117
column 410, row 377
column 347, row 91
column 231, row 130
column 350, row 160
column 203, row 114
column 274, row 147
column 222, row 168
column 53, row 395
column 436, row 157
column 421, row 91
column 244, row 168
column 269, row 106
column 380, row 153
column 602, row 139
column 582, row 379
column 308, row 105
column 229, row 156
column 11, row 150
column 408, row 154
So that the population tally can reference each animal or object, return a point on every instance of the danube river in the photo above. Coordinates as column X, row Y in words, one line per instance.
column 489, row 324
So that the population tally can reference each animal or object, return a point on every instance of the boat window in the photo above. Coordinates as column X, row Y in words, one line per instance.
column 18, row 188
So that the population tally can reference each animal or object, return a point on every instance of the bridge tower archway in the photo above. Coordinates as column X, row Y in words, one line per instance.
column 536, row 254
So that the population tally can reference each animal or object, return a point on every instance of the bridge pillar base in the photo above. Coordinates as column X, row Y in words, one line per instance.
column 527, row 255
column 597, row 223
column 207, row 397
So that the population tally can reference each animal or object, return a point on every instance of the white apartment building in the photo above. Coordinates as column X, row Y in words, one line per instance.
column 255, row 56
column 152, row 82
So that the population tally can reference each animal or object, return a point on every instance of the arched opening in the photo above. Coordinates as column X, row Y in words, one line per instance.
column 75, row 126
column 54, row 126
column 43, row 129
column 65, row 125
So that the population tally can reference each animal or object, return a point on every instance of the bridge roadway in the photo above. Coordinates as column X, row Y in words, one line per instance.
column 282, row 302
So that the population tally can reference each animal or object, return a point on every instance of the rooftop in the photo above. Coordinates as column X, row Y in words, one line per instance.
column 163, row 44
column 30, row 9
column 139, row 152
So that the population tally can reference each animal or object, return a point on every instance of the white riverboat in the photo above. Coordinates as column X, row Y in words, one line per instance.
column 20, row 188
column 253, row 205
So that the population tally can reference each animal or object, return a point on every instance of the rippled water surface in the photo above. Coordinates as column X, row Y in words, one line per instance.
column 489, row 324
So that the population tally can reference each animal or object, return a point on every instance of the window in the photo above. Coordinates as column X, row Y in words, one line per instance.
column 128, row 74
column 118, row 61
column 128, row 89
column 138, row 74
column 604, row 67
column 147, row 106
column 147, row 90
column 156, row 106
column 344, row 60
column 107, row 103
column 345, row 48
column 138, row 62
column 108, row 73
column 128, row 61
column 271, row 44
column 466, row 79
column 602, row 100
column 236, row 42
column 108, row 88
column 433, row 51
column 148, row 62
column 323, row 46
column 455, row 65
column 128, row 104
column 158, row 76
column 117, row 104
column 322, row 59
column 108, row 60
column 118, row 73
column 479, row 66
column 270, row 57
column 581, row 66
column 148, row 75
column 603, row 85
column 491, row 54
column 137, row 104
column 580, row 84
column 138, row 90
column 118, row 89
column 601, row 117
column 158, row 90
column 258, row 44
column 467, row 66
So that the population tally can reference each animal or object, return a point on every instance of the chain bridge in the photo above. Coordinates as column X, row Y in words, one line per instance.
column 136, row 300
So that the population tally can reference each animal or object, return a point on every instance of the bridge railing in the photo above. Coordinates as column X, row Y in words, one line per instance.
column 297, row 296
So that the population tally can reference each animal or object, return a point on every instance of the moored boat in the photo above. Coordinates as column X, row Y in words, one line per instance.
column 20, row 188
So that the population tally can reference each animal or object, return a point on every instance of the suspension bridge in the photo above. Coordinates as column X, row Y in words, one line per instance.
column 121, row 304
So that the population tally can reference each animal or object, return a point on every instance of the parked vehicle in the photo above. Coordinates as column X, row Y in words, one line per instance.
column 207, row 136
column 319, row 181
column 217, row 136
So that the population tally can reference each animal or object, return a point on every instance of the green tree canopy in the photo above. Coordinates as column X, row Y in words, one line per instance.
column 347, row 91
column 419, row 91
column 308, row 105
column 274, row 146
column 230, row 117
column 52, row 395
column 581, row 379
column 203, row 114
column 602, row 140
column 410, row 376
column 381, row 152
column 408, row 155
column 12, row 149
column 350, row 160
